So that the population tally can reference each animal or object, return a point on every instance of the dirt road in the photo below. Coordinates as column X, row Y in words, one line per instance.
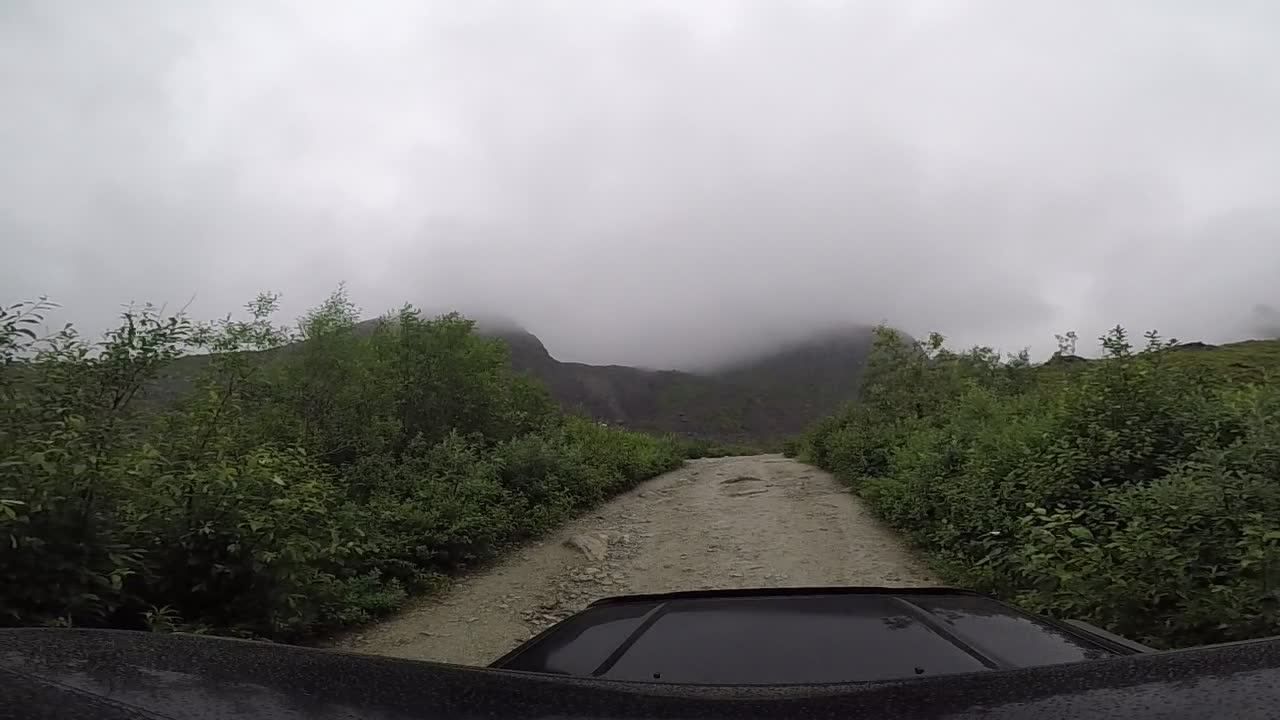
column 759, row 521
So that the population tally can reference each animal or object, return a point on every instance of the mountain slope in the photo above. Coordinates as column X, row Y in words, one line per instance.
column 763, row 399
column 760, row 400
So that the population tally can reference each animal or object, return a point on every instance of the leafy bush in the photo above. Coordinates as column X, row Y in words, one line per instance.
column 1136, row 491
column 310, row 479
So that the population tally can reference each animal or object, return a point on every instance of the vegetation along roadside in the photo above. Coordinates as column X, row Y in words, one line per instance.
column 289, row 493
column 1140, row 492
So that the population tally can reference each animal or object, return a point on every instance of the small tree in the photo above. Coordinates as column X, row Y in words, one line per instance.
column 71, row 449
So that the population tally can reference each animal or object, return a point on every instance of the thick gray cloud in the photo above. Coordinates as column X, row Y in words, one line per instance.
column 655, row 183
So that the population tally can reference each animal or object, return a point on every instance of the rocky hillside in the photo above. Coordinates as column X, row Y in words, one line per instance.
column 762, row 399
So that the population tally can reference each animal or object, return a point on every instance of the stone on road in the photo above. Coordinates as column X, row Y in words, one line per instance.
column 595, row 547
column 757, row 521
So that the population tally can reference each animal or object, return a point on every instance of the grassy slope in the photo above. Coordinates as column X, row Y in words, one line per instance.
column 1249, row 361
column 1243, row 362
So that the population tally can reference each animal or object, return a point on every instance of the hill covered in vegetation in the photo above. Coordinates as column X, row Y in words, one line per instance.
column 755, row 402
column 1138, row 491
column 761, row 399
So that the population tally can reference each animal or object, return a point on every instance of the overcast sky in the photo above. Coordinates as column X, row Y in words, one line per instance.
column 653, row 183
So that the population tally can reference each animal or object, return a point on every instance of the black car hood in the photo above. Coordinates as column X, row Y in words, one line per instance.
column 70, row 674
column 804, row 635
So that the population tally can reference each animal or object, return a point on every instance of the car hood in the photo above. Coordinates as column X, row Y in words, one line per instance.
column 804, row 635
column 71, row 674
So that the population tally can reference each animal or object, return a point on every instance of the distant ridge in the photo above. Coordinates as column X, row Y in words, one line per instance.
column 761, row 399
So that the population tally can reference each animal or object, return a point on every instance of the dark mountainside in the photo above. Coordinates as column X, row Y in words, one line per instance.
column 762, row 400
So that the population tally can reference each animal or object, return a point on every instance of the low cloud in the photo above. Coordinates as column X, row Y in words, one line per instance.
column 663, row 184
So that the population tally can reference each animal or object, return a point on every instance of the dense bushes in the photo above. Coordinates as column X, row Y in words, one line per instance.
column 309, row 480
column 1136, row 492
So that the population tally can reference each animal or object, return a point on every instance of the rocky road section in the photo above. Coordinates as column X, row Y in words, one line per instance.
column 758, row 521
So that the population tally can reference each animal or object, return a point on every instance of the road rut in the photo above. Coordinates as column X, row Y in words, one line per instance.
column 756, row 521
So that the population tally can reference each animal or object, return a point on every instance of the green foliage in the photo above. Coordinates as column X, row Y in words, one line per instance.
column 1137, row 491
column 335, row 395
column 310, row 479
column 69, row 450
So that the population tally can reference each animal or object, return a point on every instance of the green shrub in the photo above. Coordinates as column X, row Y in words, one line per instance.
column 243, row 541
column 309, row 480
column 1133, row 492
column 71, row 454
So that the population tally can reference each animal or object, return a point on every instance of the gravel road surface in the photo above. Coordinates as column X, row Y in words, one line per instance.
column 757, row 521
